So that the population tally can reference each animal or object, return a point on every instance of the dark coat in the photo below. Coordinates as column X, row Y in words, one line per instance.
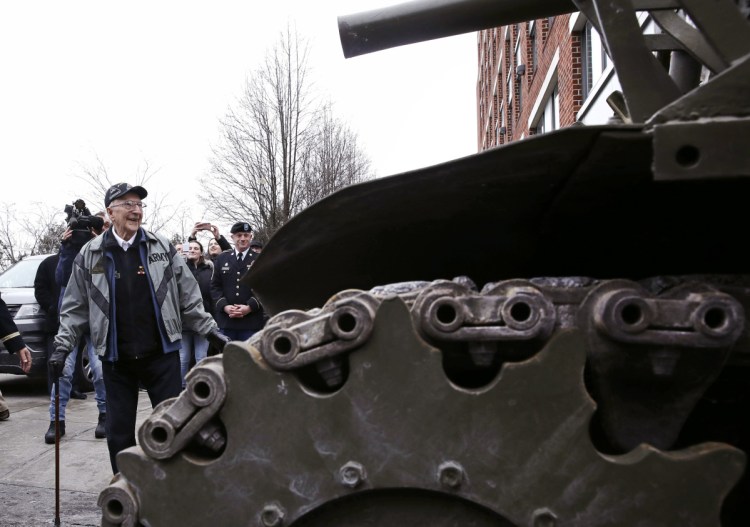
column 9, row 335
column 226, row 289
column 47, row 292
column 202, row 274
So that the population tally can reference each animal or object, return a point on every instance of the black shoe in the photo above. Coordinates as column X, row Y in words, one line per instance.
column 49, row 437
column 100, row 432
column 75, row 394
column 4, row 414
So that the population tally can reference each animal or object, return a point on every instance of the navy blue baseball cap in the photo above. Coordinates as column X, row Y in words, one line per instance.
column 120, row 189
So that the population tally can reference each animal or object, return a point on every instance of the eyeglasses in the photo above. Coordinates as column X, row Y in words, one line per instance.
column 130, row 204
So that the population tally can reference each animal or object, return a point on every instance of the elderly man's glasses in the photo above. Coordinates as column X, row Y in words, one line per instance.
column 130, row 204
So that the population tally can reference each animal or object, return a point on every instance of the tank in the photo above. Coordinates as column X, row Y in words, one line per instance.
column 582, row 360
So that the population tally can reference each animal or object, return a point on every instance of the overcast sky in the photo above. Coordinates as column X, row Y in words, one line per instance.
column 137, row 81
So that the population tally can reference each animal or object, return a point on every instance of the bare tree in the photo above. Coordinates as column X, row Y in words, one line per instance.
column 334, row 159
column 160, row 212
column 265, row 166
column 43, row 228
column 12, row 246
column 35, row 231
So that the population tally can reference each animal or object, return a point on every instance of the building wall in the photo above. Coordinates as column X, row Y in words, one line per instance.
column 569, row 56
column 559, row 46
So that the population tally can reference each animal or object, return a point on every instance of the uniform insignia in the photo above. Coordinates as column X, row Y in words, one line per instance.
column 99, row 267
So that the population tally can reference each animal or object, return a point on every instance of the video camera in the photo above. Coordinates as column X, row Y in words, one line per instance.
column 81, row 221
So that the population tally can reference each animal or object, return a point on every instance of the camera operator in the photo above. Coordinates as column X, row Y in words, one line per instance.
column 82, row 227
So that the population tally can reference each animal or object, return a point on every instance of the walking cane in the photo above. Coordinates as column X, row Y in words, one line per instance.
column 57, row 449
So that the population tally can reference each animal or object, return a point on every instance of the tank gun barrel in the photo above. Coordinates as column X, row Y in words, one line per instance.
column 422, row 20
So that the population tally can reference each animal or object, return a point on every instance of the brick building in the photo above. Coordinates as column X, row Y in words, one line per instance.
column 537, row 76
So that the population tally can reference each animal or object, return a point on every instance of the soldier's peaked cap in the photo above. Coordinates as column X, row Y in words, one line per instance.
column 241, row 226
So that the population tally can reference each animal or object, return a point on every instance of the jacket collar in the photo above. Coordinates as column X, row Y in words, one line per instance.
column 107, row 240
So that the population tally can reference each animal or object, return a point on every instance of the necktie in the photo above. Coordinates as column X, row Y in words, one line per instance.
column 239, row 257
column 125, row 246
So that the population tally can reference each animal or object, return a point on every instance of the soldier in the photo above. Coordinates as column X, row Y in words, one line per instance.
column 13, row 342
column 236, row 309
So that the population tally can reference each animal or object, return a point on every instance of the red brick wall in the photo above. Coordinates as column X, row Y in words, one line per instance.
column 549, row 38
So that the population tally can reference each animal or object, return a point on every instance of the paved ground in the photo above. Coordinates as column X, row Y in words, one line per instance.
column 27, row 464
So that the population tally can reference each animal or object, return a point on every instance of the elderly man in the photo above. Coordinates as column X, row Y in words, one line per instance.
column 134, row 293
column 13, row 342
column 236, row 309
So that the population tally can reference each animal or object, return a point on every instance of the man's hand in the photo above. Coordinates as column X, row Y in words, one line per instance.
column 56, row 362
column 24, row 359
column 66, row 235
column 217, row 339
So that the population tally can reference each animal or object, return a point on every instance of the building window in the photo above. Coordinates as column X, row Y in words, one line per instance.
column 550, row 118
column 519, row 97
column 507, row 124
column 595, row 59
column 519, row 52
column 509, row 86
column 534, row 59
column 517, row 73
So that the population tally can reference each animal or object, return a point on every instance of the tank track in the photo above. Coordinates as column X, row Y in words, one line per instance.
column 542, row 402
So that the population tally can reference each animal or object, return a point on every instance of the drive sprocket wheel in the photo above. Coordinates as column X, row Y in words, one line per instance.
column 399, row 444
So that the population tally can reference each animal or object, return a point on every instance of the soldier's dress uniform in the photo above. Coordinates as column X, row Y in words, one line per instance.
column 13, row 342
column 226, row 289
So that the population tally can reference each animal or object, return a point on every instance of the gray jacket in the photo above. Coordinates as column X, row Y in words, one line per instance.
column 87, row 306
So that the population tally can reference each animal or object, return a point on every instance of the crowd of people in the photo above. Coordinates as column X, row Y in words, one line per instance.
column 142, row 309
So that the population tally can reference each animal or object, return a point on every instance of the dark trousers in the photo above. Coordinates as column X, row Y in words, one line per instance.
column 238, row 334
column 159, row 375
column 50, row 350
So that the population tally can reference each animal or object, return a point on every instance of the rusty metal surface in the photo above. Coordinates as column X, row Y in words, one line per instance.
column 702, row 149
column 652, row 357
column 516, row 451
